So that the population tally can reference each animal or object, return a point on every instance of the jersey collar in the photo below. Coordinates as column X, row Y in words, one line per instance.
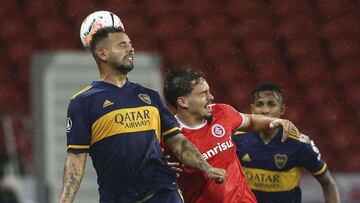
column 183, row 125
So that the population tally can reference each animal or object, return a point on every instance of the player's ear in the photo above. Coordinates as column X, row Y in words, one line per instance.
column 252, row 108
column 283, row 108
column 182, row 102
column 101, row 54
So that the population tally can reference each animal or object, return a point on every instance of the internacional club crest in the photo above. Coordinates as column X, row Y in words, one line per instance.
column 218, row 130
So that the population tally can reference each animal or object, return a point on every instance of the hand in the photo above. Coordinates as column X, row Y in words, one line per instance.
column 175, row 166
column 288, row 128
column 217, row 174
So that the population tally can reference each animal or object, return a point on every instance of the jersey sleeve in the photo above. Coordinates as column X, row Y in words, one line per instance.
column 233, row 115
column 311, row 159
column 78, row 128
column 169, row 124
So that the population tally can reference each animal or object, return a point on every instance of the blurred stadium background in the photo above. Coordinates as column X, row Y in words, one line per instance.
column 310, row 47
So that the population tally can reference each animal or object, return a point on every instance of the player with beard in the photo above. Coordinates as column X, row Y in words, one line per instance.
column 209, row 127
column 120, row 124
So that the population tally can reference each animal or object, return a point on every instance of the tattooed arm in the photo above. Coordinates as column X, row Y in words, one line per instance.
column 188, row 154
column 73, row 173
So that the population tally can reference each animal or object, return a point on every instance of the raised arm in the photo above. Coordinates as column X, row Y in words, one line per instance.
column 73, row 173
column 330, row 190
column 188, row 154
column 260, row 123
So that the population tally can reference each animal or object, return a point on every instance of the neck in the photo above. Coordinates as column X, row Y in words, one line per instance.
column 112, row 77
column 189, row 119
column 268, row 135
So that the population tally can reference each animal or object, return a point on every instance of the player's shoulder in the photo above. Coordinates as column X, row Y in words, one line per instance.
column 222, row 107
column 301, row 139
column 241, row 136
column 144, row 90
column 83, row 93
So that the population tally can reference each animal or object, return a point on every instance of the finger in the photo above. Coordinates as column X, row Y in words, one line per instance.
column 167, row 157
column 286, row 130
column 177, row 170
column 173, row 163
column 274, row 124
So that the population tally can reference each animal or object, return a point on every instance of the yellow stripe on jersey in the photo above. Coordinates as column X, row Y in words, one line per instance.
column 272, row 181
column 127, row 120
column 321, row 170
column 78, row 146
column 81, row 91
column 170, row 131
column 237, row 133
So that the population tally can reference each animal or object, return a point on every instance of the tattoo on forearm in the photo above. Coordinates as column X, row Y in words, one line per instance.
column 72, row 179
column 187, row 153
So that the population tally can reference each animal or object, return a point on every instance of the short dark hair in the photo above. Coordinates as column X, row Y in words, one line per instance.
column 178, row 82
column 101, row 34
column 267, row 86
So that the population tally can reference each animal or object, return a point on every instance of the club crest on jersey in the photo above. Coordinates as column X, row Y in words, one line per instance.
column 280, row 160
column 145, row 98
column 68, row 124
column 217, row 130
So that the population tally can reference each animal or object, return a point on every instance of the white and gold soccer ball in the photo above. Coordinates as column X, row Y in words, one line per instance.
column 94, row 22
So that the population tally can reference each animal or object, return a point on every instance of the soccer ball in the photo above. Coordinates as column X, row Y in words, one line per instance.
column 94, row 22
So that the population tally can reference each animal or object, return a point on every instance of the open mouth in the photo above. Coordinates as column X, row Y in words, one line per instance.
column 130, row 58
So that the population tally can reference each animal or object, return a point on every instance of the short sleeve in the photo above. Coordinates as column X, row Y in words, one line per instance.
column 311, row 159
column 169, row 124
column 233, row 115
column 78, row 128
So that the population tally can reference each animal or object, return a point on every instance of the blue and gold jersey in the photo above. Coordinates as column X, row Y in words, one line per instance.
column 121, row 129
column 273, row 170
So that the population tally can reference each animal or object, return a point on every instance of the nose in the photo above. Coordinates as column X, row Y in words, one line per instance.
column 265, row 110
column 210, row 97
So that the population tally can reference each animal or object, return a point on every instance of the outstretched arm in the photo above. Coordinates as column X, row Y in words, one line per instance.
column 260, row 123
column 188, row 154
column 73, row 173
column 331, row 192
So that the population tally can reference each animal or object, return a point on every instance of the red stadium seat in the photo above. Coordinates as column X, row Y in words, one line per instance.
column 50, row 30
column 39, row 10
column 210, row 27
column 9, row 9
column 181, row 51
column 219, row 50
column 275, row 72
column 261, row 49
column 124, row 8
column 348, row 72
column 292, row 8
column 252, row 28
column 344, row 49
column 303, row 28
column 241, row 9
column 166, row 29
column 335, row 8
column 312, row 72
column 16, row 28
column 20, row 52
column 160, row 8
column 343, row 27
column 202, row 7
column 78, row 10
column 304, row 49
